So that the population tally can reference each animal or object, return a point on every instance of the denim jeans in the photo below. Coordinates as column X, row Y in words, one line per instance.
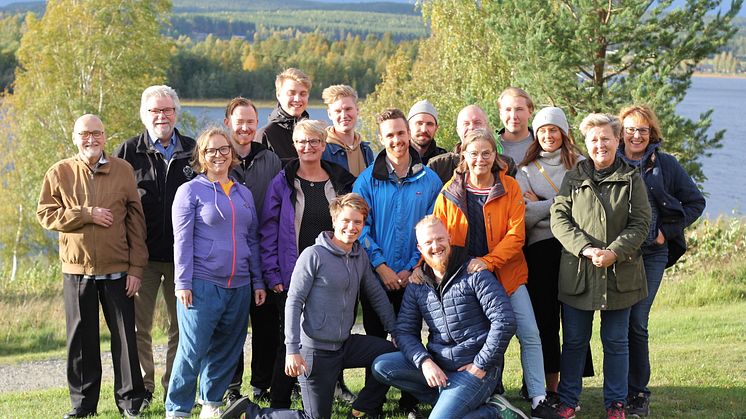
column 532, row 359
column 464, row 396
column 655, row 259
column 576, row 334
column 211, row 334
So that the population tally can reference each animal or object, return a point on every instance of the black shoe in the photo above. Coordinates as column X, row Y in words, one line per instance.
column 296, row 394
column 553, row 399
column 544, row 410
column 79, row 413
column 237, row 408
column 261, row 395
column 524, row 393
column 342, row 393
column 638, row 406
column 147, row 400
column 231, row 396
column 130, row 413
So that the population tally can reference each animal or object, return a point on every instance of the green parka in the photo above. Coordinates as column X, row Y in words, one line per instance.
column 611, row 214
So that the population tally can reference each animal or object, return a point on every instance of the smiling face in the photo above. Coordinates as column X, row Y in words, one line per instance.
column 479, row 156
column 601, row 143
column 348, row 225
column 514, row 114
column 636, row 133
column 469, row 119
column 550, row 137
column 394, row 135
column 423, row 127
column 293, row 97
column 89, row 137
column 242, row 123
column 309, row 147
column 160, row 116
column 343, row 114
column 434, row 244
column 217, row 155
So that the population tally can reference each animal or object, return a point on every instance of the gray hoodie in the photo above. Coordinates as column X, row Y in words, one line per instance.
column 323, row 290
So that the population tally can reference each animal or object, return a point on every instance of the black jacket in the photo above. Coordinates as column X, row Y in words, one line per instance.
column 157, row 182
column 277, row 135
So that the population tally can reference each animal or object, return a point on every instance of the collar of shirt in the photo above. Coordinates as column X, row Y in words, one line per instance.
column 166, row 151
column 392, row 170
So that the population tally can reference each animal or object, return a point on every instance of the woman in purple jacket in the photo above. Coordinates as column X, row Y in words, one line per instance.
column 216, row 253
column 296, row 211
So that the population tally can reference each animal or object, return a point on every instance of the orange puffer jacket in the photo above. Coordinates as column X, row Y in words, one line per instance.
column 504, row 214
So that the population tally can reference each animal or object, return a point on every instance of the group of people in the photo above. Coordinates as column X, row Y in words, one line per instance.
column 293, row 226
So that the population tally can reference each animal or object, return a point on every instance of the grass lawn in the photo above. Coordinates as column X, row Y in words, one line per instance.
column 698, row 358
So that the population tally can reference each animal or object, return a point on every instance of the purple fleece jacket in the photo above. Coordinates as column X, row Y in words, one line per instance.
column 215, row 236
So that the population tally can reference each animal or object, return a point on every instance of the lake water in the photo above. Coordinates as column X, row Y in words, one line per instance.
column 725, row 185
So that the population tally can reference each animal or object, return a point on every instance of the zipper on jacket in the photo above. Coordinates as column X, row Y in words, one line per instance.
column 233, row 239
column 489, row 225
column 445, row 318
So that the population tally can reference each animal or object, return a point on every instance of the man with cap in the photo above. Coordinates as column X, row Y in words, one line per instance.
column 423, row 124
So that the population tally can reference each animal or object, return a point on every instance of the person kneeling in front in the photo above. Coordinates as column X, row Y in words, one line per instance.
column 319, row 315
column 470, row 323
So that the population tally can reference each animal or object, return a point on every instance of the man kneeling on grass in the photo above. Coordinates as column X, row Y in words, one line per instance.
column 470, row 323
column 320, row 312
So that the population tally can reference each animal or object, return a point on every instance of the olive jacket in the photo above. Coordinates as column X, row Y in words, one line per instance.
column 613, row 213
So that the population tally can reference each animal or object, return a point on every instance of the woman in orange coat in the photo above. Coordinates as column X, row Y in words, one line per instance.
column 483, row 209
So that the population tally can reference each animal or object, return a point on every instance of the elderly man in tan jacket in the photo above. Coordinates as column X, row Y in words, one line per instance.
column 91, row 199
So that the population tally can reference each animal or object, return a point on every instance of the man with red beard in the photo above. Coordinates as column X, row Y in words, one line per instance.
column 423, row 124
column 470, row 322
column 257, row 166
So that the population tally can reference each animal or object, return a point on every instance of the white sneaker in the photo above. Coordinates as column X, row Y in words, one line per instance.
column 210, row 411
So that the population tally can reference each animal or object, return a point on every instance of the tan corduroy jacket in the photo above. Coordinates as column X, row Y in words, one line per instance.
column 68, row 195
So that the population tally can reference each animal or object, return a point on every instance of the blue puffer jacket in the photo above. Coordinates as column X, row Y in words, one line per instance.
column 469, row 317
column 673, row 194
column 395, row 207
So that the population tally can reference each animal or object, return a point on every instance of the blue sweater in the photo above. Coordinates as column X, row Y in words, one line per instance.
column 215, row 236
column 395, row 208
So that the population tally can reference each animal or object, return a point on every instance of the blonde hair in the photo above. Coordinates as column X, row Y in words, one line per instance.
column 333, row 93
column 429, row 221
column 645, row 114
column 350, row 200
column 516, row 92
column 292, row 74
column 479, row 134
column 312, row 127
column 198, row 161
column 598, row 120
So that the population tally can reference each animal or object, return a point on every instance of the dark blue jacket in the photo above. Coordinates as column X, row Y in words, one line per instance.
column 335, row 153
column 469, row 317
column 675, row 196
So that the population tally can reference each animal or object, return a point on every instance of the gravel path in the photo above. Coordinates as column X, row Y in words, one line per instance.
column 51, row 373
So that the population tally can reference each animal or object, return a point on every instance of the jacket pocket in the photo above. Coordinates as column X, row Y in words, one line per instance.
column 219, row 260
column 572, row 276
column 629, row 276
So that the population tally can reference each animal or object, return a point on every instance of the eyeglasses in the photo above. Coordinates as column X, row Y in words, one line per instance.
column 88, row 134
column 632, row 130
column 313, row 142
column 164, row 111
column 224, row 151
column 484, row 154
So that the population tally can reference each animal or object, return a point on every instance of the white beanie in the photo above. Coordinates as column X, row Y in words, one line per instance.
column 551, row 115
column 423, row 106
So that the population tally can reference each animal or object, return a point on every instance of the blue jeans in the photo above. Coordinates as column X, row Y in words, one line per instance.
column 655, row 259
column 576, row 334
column 532, row 359
column 211, row 334
column 464, row 396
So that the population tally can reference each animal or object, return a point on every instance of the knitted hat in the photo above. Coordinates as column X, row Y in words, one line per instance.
column 551, row 115
column 423, row 106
